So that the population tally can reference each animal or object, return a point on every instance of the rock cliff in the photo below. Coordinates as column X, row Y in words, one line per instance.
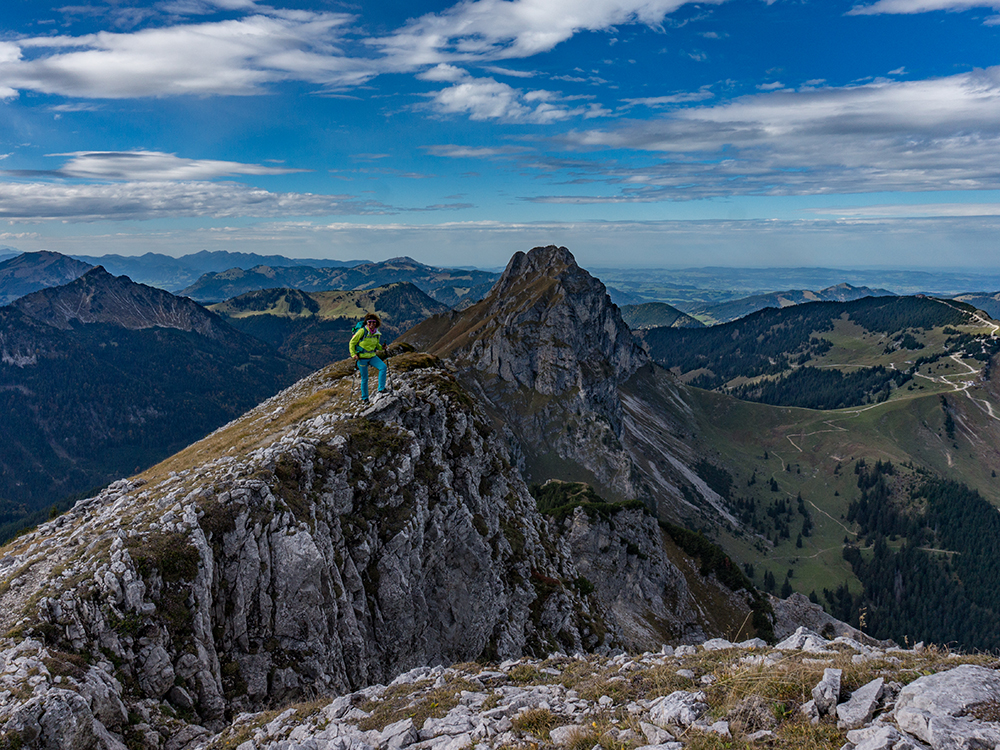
column 550, row 355
column 546, row 349
column 311, row 548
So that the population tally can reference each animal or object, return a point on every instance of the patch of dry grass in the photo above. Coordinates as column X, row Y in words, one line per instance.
column 418, row 701
column 537, row 722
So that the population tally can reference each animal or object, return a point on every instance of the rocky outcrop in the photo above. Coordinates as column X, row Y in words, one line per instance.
column 546, row 349
column 644, row 595
column 312, row 548
column 665, row 700
column 553, row 328
column 550, row 355
column 797, row 611
column 954, row 710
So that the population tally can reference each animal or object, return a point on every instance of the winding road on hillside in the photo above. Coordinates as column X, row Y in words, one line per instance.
column 948, row 380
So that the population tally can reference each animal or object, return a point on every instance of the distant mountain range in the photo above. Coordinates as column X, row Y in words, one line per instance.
column 689, row 289
column 173, row 274
column 739, row 308
column 452, row 287
column 102, row 377
column 314, row 327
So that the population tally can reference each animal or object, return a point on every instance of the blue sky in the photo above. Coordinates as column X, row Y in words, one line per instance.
column 635, row 132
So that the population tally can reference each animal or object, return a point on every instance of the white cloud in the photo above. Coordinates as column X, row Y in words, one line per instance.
column 472, row 152
column 489, row 99
column 235, row 57
column 76, row 107
column 926, row 210
column 151, row 166
column 497, row 70
column 443, row 73
column 664, row 101
column 504, row 29
column 938, row 134
column 32, row 202
column 919, row 6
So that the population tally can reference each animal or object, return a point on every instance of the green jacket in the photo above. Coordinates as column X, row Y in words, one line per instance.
column 365, row 345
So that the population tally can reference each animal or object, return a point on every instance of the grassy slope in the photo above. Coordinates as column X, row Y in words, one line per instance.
column 804, row 448
column 853, row 345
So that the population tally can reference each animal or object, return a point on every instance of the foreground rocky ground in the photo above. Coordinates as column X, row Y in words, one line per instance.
column 805, row 692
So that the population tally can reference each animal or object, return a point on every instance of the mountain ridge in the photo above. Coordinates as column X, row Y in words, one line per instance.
column 30, row 272
column 312, row 548
column 99, row 297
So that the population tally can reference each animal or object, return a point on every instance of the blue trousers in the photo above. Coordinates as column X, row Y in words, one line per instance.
column 379, row 365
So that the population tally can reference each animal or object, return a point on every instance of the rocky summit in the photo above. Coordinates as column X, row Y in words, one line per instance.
column 546, row 351
column 552, row 360
column 805, row 691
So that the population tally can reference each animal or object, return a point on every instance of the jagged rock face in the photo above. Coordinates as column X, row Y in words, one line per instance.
column 548, row 350
column 99, row 297
column 644, row 594
column 309, row 548
column 554, row 329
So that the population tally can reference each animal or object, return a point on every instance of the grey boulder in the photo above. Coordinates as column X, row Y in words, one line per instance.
column 941, row 709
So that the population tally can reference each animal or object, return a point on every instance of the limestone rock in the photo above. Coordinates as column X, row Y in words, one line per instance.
column 797, row 611
column 827, row 693
column 941, row 709
column 655, row 735
column 803, row 639
column 680, row 708
column 858, row 709
column 398, row 735
column 566, row 735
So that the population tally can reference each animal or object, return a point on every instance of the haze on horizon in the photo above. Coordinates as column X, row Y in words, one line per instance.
column 638, row 133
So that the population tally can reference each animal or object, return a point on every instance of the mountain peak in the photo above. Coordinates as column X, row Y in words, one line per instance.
column 547, row 327
column 99, row 297
column 546, row 324
column 549, row 261
column 30, row 272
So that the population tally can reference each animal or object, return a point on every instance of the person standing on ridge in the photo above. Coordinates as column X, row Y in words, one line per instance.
column 365, row 345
